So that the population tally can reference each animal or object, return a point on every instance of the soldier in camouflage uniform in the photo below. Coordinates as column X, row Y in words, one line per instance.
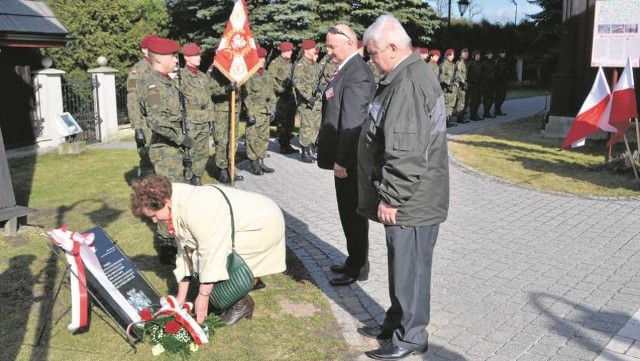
column 280, row 67
column 424, row 54
column 159, row 101
column 198, row 89
column 137, row 73
column 433, row 62
column 449, row 84
column 260, row 99
column 306, row 75
column 473, row 80
column 222, row 106
column 461, row 96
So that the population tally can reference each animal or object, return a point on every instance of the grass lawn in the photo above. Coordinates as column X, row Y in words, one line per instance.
column 516, row 152
column 292, row 318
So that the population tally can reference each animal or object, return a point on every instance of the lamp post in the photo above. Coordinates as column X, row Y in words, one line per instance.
column 462, row 7
column 515, row 19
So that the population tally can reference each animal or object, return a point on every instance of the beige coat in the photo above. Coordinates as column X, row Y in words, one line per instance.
column 202, row 223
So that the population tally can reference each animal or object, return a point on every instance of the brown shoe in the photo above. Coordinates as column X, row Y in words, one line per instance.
column 239, row 310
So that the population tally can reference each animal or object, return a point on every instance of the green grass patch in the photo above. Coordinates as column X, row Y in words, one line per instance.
column 94, row 188
column 517, row 152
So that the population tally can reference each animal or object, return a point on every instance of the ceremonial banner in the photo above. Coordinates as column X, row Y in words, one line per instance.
column 237, row 55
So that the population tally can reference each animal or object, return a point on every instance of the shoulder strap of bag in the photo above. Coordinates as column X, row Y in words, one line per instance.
column 233, row 228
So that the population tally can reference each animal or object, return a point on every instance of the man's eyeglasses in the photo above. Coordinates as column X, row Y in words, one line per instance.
column 334, row 30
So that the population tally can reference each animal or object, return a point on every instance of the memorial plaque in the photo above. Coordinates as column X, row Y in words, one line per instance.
column 136, row 293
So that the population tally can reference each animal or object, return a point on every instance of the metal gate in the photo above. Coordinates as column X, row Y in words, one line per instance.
column 80, row 100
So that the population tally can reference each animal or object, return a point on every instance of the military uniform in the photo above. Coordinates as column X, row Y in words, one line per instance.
column 501, row 78
column 160, row 101
column 474, row 91
column 461, row 96
column 260, row 100
column 137, row 74
column 286, row 104
column 449, row 85
column 222, row 107
column 198, row 89
column 486, row 84
column 309, row 106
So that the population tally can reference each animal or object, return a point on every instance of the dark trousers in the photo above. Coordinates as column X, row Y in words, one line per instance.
column 475, row 97
column 355, row 227
column 487, row 98
column 410, row 255
column 500, row 95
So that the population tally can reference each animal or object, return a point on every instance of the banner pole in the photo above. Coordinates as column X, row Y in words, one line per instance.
column 232, row 139
column 637, row 134
column 633, row 164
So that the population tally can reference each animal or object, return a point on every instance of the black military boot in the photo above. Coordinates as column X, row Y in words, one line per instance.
column 451, row 123
column 313, row 149
column 255, row 167
column 196, row 181
column 224, row 176
column 286, row 148
column 305, row 156
column 264, row 167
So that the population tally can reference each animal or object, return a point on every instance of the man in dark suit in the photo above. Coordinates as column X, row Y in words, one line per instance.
column 345, row 104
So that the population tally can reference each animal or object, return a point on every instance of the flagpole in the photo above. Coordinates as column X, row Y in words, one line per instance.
column 232, row 139
column 637, row 134
column 609, row 149
column 633, row 163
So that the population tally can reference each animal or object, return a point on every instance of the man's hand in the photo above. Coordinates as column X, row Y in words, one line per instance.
column 201, row 307
column 339, row 171
column 387, row 213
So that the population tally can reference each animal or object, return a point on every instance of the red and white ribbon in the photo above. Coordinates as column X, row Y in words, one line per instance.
column 80, row 254
column 170, row 306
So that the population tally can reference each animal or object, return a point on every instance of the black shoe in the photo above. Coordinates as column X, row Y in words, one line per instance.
column 196, row 181
column 462, row 121
column 475, row 119
column 264, row 167
column 375, row 332
column 239, row 310
column 305, row 156
column 287, row 149
column 393, row 352
column 238, row 178
column 266, row 155
column 258, row 286
column 342, row 280
column 488, row 115
column 499, row 112
column 337, row 268
column 224, row 176
column 255, row 167
column 451, row 124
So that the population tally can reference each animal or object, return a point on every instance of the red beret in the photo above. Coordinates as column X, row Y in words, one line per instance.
column 286, row 46
column 359, row 44
column 434, row 52
column 191, row 49
column 424, row 51
column 144, row 43
column 262, row 52
column 449, row 52
column 308, row 44
column 163, row 46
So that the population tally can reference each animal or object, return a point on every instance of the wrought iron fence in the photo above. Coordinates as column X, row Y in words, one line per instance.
column 78, row 100
column 121, row 101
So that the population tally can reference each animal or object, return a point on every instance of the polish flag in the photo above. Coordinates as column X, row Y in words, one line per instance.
column 237, row 56
column 593, row 115
column 623, row 104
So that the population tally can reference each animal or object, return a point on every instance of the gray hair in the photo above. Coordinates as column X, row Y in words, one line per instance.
column 387, row 30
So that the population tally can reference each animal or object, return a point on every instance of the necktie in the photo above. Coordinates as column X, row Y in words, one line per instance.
column 335, row 73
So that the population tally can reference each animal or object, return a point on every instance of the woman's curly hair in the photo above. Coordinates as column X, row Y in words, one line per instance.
column 150, row 193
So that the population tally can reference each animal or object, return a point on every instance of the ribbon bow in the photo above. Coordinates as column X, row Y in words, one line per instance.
column 170, row 306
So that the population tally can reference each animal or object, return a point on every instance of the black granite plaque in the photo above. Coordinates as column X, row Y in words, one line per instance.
column 125, row 277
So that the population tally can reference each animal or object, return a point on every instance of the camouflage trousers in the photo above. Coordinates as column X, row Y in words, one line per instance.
column 258, row 137
column 221, row 136
column 309, row 124
column 167, row 161
column 200, row 151
column 461, row 101
column 145, row 166
column 450, row 101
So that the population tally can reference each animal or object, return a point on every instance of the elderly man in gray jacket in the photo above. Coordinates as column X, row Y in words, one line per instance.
column 403, row 182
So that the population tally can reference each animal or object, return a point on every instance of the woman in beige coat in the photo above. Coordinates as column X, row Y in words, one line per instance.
column 200, row 220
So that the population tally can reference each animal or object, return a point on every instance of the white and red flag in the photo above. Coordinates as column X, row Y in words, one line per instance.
column 593, row 115
column 237, row 55
column 623, row 104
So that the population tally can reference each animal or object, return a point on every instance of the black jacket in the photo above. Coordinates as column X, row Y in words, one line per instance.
column 344, row 108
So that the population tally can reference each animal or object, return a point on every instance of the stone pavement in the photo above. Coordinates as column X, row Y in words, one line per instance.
column 518, row 274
